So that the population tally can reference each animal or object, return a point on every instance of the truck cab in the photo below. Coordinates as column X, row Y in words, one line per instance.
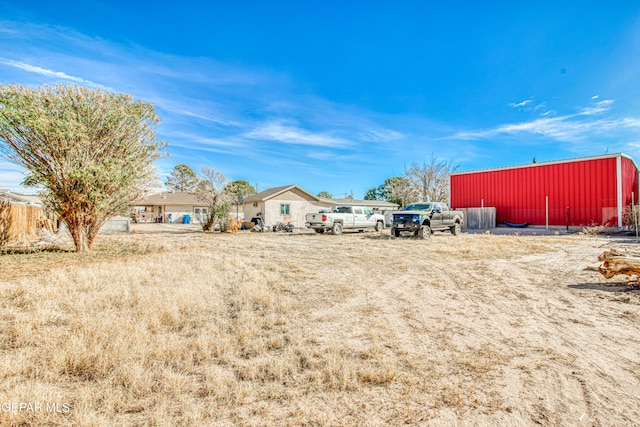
column 422, row 219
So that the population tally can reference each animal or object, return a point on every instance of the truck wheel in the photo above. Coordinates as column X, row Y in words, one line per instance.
column 395, row 232
column 319, row 230
column 337, row 228
column 424, row 232
column 379, row 226
column 455, row 230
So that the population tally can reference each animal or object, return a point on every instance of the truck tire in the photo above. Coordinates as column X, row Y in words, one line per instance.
column 424, row 232
column 337, row 228
column 395, row 232
column 379, row 226
column 455, row 230
column 319, row 230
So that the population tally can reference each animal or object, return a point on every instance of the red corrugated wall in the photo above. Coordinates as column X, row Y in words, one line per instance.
column 582, row 192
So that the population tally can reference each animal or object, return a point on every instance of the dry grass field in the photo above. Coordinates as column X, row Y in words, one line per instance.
column 170, row 328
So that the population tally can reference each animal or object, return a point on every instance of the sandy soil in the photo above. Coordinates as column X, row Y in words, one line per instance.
column 357, row 329
column 484, row 330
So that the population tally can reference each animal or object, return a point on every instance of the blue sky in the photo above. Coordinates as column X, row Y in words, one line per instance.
column 338, row 96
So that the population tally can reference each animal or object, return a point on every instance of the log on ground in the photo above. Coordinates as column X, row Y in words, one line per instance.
column 614, row 263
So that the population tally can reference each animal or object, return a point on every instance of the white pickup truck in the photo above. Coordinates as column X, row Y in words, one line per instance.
column 345, row 218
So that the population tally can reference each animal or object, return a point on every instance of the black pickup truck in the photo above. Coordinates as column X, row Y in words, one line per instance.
column 422, row 219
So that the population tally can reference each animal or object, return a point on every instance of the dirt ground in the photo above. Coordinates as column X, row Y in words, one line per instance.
column 522, row 336
column 476, row 329
column 515, row 326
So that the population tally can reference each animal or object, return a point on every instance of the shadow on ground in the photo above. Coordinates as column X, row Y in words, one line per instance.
column 632, row 286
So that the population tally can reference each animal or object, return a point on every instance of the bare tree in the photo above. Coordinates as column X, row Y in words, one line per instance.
column 399, row 190
column 91, row 151
column 212, row 192
column 431, row 180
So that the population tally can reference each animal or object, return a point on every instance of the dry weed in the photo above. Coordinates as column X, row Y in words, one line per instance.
column 247, row 329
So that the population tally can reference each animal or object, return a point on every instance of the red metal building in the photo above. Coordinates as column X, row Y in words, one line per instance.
column 585, row 191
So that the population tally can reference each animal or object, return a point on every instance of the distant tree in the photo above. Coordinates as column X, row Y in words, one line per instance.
column 372, row 194
column 182, row 179
column 212, row 192
column 238, row 190
column 431, row 180
column 90, row 151
column 398, row 190
column 324, row 195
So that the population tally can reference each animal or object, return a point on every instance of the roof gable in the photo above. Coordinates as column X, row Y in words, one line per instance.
column 276, row 191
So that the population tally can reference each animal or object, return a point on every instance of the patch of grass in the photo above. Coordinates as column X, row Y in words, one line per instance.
column 244, row 329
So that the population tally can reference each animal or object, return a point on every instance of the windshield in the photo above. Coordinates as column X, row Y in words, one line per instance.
column 418, row 207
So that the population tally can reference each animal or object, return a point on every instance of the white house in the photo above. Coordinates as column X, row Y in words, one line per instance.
column 289, row 203
column 169, row 207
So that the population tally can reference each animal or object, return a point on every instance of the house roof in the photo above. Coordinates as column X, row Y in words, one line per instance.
column 372, row 203
column 170, row 198
column 276, row 191
column 31, row 199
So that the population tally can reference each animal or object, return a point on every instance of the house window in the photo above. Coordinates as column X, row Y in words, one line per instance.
column 284, row 209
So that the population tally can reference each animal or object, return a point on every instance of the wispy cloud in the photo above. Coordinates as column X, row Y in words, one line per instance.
column 291, row 134
column 521, row 104
column 45, row 72
column 597, row 108
column 568, row 128
column 559, row 129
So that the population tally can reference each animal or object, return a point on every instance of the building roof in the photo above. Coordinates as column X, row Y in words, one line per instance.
column 31, row 199
column 170, row 198
column 276, row 191
column 381, row 204
column 553, row 162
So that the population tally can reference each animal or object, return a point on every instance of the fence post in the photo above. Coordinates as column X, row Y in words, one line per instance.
column 546, row 211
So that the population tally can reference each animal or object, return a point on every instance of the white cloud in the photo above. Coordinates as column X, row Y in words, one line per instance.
column 45, row 72
column 288, row 134
column 521, row 104
column 205, row 118
column 559, row 128
column 569, row 128
column 597, row 108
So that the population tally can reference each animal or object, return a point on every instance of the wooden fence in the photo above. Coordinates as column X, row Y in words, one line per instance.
column 479, row 218
column 21, row 222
